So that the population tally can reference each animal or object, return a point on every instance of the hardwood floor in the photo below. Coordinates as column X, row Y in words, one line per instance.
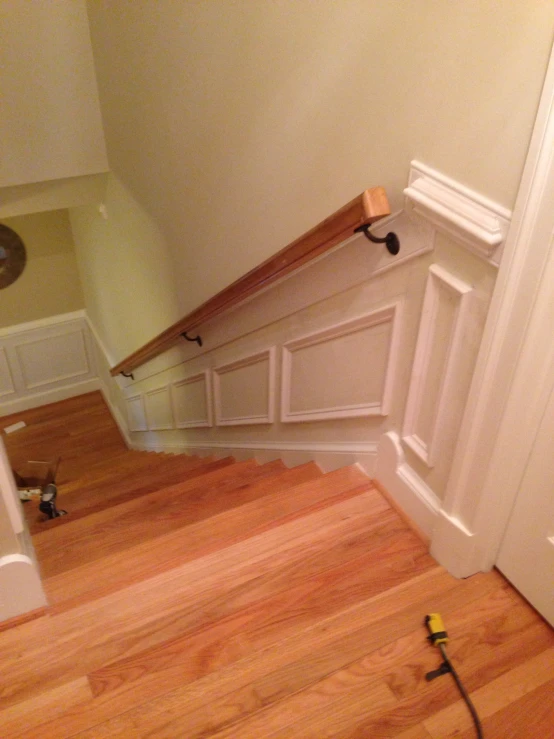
column 204, row 598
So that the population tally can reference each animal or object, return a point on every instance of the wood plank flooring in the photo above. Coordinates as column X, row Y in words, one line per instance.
column 194, row 598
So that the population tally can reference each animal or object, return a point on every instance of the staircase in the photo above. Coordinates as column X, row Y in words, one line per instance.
column 198, row 598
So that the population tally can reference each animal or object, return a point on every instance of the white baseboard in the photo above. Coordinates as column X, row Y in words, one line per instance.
column 328, row 456
column 455, row 547
column 49, row 396
column 405, row 487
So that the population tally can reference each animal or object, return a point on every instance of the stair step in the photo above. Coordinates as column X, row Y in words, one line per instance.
column 111, row 467
column 118, row 527
column 190, row 621
column 98, row 497
column 281, row 504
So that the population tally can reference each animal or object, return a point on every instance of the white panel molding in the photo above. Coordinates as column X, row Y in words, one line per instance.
column 158, row 396
column 35, row 354
column 388, row 314
column 201, row 378
column 404, row 485
column 7, row 386
column 492, row 451
column 250, row 360
column 472, row 219
column 136, row 414
column 25, row 350
column 440, row 283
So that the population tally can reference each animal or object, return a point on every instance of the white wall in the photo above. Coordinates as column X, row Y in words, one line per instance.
column 128, row 283
column 50, row 126
column 238, row 126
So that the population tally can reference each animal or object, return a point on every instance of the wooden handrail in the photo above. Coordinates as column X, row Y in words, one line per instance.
column 367, row 208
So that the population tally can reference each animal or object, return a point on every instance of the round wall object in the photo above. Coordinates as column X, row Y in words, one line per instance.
column 13, row 256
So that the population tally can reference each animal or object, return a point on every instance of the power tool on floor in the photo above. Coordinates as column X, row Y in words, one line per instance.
column 439, row 638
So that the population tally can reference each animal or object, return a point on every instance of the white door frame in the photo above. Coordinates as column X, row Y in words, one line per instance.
column 491, row 455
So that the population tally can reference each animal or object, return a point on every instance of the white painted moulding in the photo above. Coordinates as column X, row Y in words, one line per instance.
column 267, row 416
column 404, row 485
column 440, row 282
column 388, row 314
column 475, row 221
column 136, row 415
column 158, row 409
column 203, row 380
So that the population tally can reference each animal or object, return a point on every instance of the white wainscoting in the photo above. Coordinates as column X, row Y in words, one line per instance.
column 136, row 414
column 46, row 361
column 244, row 390
column 345, row 370
column 191, row 400
column 406, row 488
column 158, row 410
column 7, row 386
column 439, row 343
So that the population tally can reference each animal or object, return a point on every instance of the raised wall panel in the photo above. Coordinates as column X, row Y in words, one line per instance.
column 52, row 359
column 191, row 401
column 136, row 415
column 343, row 371
column 6, row 380
column 244, row 390
column 159, row 413
column 439, row 343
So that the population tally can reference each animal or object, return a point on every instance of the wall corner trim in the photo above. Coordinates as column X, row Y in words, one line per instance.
column 478, row 223
column 404, row 485
column 454, row 545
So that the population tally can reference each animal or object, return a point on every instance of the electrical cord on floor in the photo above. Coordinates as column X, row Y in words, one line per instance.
column 463, row 692
column 438, row 637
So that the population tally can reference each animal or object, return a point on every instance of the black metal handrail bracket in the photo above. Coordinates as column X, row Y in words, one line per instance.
column 391, row 240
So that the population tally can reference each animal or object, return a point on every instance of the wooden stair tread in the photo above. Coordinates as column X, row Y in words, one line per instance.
column 116, row 528
column 259, row 602
column 84, row 502
column 163, row 609
column 302, row 491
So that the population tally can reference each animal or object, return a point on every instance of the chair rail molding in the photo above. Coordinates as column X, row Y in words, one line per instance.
column 477, row 222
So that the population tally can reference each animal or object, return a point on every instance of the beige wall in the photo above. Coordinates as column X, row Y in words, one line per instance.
column 50, row 282
column 50, row 125
column 239, row 125
column 125, row 269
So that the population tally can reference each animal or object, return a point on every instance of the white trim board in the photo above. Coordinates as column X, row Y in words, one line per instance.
column 193, row 423
column 46, row 361
column 472, row 219
column 441, row 285
column 405, row 487
column 328, row 455
column 380, row 407
column 267, row 416
column 480, row 494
